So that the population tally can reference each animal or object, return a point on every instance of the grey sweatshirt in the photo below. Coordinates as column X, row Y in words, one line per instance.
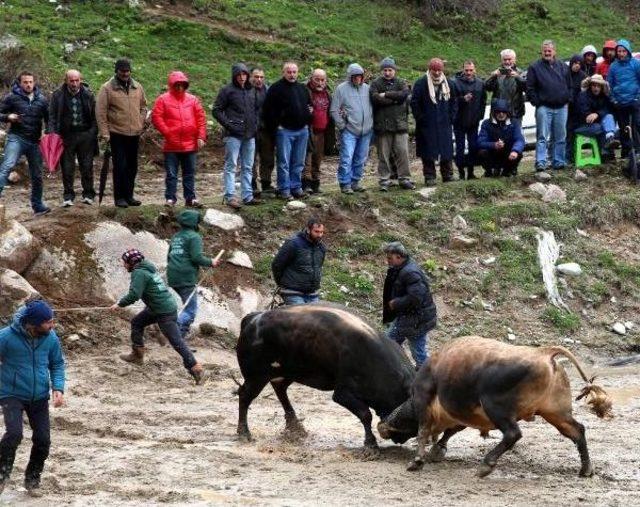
column 355, row 102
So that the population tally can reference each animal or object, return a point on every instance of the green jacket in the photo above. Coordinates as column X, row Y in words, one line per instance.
column 185, row 252
column 146, row 284
column 391, row 112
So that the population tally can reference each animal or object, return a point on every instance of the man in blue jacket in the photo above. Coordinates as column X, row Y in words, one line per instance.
column 25, row 108
column 500, row 142
column 32, row 365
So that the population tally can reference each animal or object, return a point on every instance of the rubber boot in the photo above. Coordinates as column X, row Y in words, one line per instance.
column 307, row 186
column 198, row 374
column 315, row 186
column 136, row 356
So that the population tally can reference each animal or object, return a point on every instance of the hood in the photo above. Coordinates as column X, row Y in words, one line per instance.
column 625, row 44
column 189, row 219
column 177, row 77
column 589, row 49
column 16, row 323
column 610, row 44
column 353, row 70
column 586, row 83
column 575, row 59
column 238, row 68
column 146, row 265
column 15, row 88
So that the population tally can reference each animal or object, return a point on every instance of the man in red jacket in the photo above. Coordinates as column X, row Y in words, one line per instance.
column 180, row 118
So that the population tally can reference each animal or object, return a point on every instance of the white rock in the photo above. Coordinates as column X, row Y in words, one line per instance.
column 225, row 221
column 569, row 268
column 579, row 175
column 296, row 205
column 568, row 340
column 72, row 338
column 459, row 223
column 9, row 41
column 488, row 261
column 18, row 247
column 629, row 325
column 542, row 176
column 582, row 233
column 554, row 194
column 375, row 212
column 14, row 291
column 619, row 328
column 14, row 177
column 134, row 3
column 239, row 258
column 538, row 188
column 426, row 193
column 511, row 337
column 613, row 299
column 69, row 48
column 344, row 289
column 461, row 242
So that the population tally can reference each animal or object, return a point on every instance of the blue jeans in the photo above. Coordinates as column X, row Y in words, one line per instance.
column 471, row 135
column 398, row 332
column 598, row 130
column 188, row 162
column 14, row 148
column 245, row 150
column 354, row 151
column 291, row 150
column 551, row 123
column 188, row 313
column 300, row 299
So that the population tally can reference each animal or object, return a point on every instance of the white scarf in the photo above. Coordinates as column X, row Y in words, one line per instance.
column 445, row 92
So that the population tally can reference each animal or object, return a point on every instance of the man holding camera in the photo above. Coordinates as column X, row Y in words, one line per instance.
column 506, row 83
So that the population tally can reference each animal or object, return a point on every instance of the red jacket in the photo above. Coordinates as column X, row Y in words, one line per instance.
column 179, row 117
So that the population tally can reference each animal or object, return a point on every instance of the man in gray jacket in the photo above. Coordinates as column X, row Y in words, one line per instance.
column 353, row 115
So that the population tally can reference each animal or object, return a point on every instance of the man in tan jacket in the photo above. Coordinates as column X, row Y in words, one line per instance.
column 121, row 112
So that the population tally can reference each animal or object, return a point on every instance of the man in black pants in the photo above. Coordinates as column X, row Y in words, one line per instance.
column 72, row 115
column 32, row 365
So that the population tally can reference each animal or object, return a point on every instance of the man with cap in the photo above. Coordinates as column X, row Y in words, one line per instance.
column 608, row 57
column 434, row 109
column 31, row 368
column 389, row 95
column 161, row 309
column 500, row 142
column 352, row 113
column 596, row 114
column 121, row 111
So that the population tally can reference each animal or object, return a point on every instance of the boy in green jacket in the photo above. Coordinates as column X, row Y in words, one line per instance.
column 161, row 309
column 184, row 260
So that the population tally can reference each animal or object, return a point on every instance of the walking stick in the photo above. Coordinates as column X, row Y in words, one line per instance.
column 195, row 289
column 81, row 309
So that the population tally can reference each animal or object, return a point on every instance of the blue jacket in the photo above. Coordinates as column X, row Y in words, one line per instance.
column 510, row 133
column 32, row 112
column 624, row 78
column 27, row 364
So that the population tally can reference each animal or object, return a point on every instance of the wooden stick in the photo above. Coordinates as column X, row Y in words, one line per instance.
column 195, row 289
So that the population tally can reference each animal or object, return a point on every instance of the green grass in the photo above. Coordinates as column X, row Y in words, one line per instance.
column 565, row 322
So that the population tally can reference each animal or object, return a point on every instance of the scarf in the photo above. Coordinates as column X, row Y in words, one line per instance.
column 445, row 92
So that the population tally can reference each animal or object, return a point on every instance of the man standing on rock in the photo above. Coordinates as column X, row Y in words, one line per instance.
column 32, row 366
column 297, row 267
column 72, row 115
column 265, row 142
column 160, row 309
column 121, row 112
column 25, row 108
column 184, row 260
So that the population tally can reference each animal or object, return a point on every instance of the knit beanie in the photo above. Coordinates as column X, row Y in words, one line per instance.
column 123, row 64
column 36, row 312
column 388, row 63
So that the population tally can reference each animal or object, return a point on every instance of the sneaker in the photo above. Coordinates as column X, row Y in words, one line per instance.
column 87, row 200
column 194, row 203
column 540, row 167
column 284, row 196
column 42, row 211
column 611, row 143
column 133, row 202
column 407, row 185
column 170, row 203
column 393, row 182
column 298, row 193
column 356, row 187
column 122, row 203
column 67, row 203
column 233, row 203
column 346, row 189
column 384, row 187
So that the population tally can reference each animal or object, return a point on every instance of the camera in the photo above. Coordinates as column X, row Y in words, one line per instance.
column 505, row 70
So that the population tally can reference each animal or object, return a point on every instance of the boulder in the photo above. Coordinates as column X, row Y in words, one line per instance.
column 619, row 328
column 459, row 223
column 239, row 258
column 569, row 268
column 296, row 205
column 542, row 176
column 538, row 188
column 225, row 221
column 18, row 247
column 14, row 291
column 554, row 194
column 461, row 242
column 426, row 193
column 579, row 175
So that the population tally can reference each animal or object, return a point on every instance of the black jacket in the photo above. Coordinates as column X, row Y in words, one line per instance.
column 470, row 113
column 32, row 112
column 549, row 84
column 298, row 264
column 59, row 117
column 286, row 105
column 408, row 287
column 236, row 108
column 509, row 88
column 391, row 112
column 589, row 103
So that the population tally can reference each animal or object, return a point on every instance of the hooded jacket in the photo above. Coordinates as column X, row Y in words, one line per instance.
column 236, row 107
column 549, row 83
column 576, row 84
column 185, row 252
column 298, row 264
column 589, row 69
column 179, row 117
column 60, row 117
column 589, row 103
column 391, row 112
column 146, row 284
column 29, row 367
column 32, row 112
column 603, row 67
column 351, row 106
column 491, row 130
column 624, row 78
column 121, row 110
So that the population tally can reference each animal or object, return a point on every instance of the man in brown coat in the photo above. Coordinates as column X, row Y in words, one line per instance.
column 121, row 112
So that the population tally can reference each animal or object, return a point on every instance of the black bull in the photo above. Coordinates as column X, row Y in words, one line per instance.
column 323, row 347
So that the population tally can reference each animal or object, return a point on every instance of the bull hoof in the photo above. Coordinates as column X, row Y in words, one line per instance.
column 244, row 436
column 295, row 428
column 485, row 470
column 370, row 452
column 415, row 465
column 436, row 453
column 587, row 471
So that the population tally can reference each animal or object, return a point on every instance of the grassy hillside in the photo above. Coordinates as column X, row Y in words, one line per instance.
column 204, row 37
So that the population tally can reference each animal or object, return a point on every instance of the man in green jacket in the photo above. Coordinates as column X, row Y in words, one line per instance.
column 184, row 260
column 161, row 309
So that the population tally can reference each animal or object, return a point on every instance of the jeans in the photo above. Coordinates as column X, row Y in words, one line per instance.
column 38, row 415
column 124, row 152
column 291, row 149
column 551, row 123
column 234, row 149
column 167, row 323
column 417, row 336
column 598, row 130
column 627, row 115
column 15, row 147
column 188, row 162
column 188, row 313
column 80, row 145
column 468, row 159
column 353, row 155
column 300, row 299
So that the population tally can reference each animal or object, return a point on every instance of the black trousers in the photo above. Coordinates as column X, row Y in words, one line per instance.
column 124, row 153
column 497, row 163
column 38, row 415
column 429, row 169
column 80, row 146
column 168, row 324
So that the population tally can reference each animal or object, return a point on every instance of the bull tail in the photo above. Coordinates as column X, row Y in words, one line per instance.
column 595, row 396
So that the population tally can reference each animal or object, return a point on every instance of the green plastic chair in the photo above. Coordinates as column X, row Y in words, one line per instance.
column 589, row 144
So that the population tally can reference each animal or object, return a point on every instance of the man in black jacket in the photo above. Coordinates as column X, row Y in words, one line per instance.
column 72, row 115
column 297, row 267
column 407, row 302
column 25, row 108
column 265, row 142
column 549, row 90
column 506, row 83
column 287, row 112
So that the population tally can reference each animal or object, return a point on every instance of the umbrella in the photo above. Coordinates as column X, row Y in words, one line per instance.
column 51, row 147
column 104, row 172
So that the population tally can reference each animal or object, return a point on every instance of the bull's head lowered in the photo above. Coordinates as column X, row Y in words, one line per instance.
column 400, row 425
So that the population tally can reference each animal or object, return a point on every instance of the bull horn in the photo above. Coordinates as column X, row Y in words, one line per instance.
column 385, row 430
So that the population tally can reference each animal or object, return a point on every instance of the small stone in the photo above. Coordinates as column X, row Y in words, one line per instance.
column 628, row 325
column 426, row 193
column 9, row 41
column 582, row 233
column 459, row 223
column 619, row 328
column 543, row 176
column 225, row 221
column 296, row 205
column 242, row 259
column 68, row 48
column 461, row 242
column 376, row 212
column 569, row 268
column 554, row 194
column 14, row 177
column 509, row 330
column 613, row 299
column 568, row 340
column 344, row 289
column 511, row 337
column 488, row 261
column 538, row 188
column 579, row 175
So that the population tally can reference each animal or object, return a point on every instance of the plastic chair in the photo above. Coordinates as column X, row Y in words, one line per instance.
column 589, row 144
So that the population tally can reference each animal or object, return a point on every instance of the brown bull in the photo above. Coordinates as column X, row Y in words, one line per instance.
column 486, row 384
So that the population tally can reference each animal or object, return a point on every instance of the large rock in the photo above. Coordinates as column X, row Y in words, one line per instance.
column 296, row 205
column 554, row 194
column 14, row 291
column 459, row 223
column 18, row 247
column 242, row 259
column 461, row 242
column 538, row 188
column 426, row 193
column 225, row 221
column 542, row 176
column 569, row 268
